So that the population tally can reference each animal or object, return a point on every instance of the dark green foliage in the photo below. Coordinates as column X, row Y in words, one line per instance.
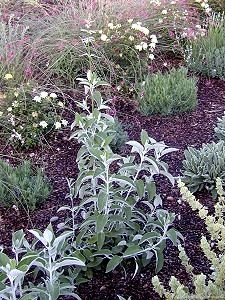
column 120, row 136
column 22, row 186
column 168, row 93
column 206, row 54
column 202, row 167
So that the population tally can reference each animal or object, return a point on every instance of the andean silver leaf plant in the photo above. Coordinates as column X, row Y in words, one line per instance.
column 111, row 188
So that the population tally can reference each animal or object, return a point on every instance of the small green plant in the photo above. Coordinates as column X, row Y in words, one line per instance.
column 168, row 93
column 22, row 186
column 26, row 116
column 205, row 286
column 202, row 167
column 206, row 55
column 47, row 255
column 220, row 128
column 110, row 187
column 120, row 137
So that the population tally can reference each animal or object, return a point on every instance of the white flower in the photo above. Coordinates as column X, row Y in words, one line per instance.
column 15, row 104
column 34, row 114
column 64, row 122
column 60, row 103
column 103, row 37
column 43, row 124
column 131, row 38
column 151, row 56
column 37, row 99
column 9, row 109
column 1, row 113
column 145, row 30
column 130, row 20
column 144, row 45
column 53, row 95
column 138, row 47
column 164, row 12
column 110, row 25
column 153, row 39
column 57, row 125
column 152, row 45
column 43, row 94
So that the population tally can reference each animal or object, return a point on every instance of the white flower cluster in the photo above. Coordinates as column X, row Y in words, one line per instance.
column 204, row 4
column 144, row 46
column 44, row 95
column 137, row 26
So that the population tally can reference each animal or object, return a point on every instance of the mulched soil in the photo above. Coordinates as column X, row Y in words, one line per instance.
column 59, row 160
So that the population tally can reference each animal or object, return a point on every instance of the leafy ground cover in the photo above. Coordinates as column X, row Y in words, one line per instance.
column 57, row 153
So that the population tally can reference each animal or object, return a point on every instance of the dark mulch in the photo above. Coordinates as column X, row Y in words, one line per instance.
column 180, row 131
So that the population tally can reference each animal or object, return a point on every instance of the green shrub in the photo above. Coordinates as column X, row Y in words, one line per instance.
column 206, row 54
column 26, row 116
column 120, row 136
column 22, row 186
column 209, row 286
column 168, row 93
column 202, row 167
column 220, row 128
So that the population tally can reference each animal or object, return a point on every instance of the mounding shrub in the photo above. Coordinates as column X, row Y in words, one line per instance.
column 206, row 54
column 202, row 167
column 168, row 93
column 120, row 136
column 22, row 186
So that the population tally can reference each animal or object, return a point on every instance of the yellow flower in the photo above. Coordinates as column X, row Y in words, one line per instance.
column 8, row 76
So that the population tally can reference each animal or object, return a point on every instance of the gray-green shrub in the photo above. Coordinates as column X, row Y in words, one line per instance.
column 120, row 136
column 168, row 93
column 206, row 54
column 202, row 167
column 220, row 128
column 22, row 186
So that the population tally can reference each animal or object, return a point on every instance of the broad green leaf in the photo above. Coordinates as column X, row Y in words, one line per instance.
column 131, row 251
column 144, row 137
column 100, row 240
column 113, row 263
column 151, row 189
column 140, row 188
column 172, row 235
column 102, row 201
column 149, row 235
column 159, row 260
column 101, row 221
column 4, row 259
